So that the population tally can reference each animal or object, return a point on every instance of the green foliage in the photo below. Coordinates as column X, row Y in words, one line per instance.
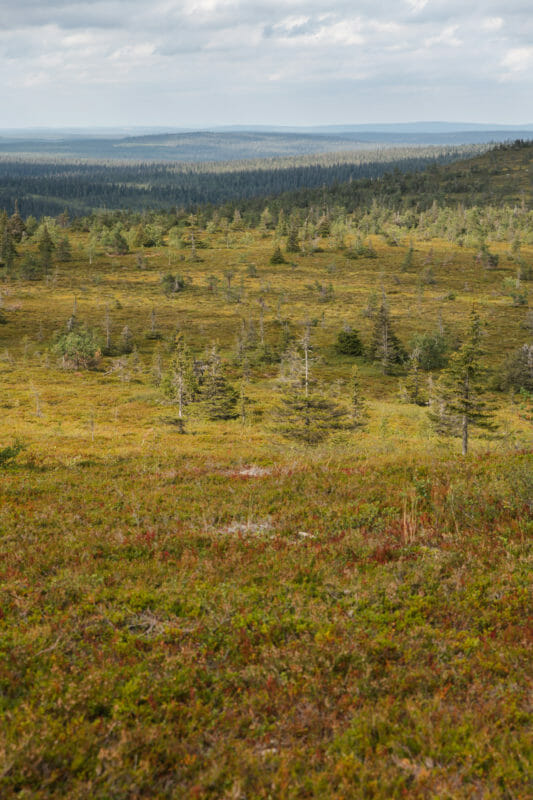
column 9, row 454
column 179, row 383
column 432, row 350
column 411, row 389
column 517, row 372
column 408, row 260
column 31, row 268
column 64, row 251
column 463, row 384
column 46, row 247
column 173, row 284
column 348, row 342
column 308, row 418
column 8, row 251
column 385, row 347
column 79, row 348
column 360, row 250
column 513, row 287
column 277, row 257
column 219, row 397
column 293, row 245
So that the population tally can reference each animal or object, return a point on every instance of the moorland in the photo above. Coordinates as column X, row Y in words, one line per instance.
column 243, row 555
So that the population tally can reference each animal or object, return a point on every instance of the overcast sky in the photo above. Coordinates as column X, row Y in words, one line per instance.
column 285, row 62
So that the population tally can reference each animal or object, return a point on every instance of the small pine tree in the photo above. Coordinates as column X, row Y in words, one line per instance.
column 412, row 388
column 179, row 383
column 45, row 247
column 126, row 340
column 358, row 405
column 348, row 342
column 219, row 396
column 64, row 252
column 304, row 414
column 17, row 227
column 79, row 348
column 385, row 346
column 277, row 257
column 293, row 245
column 8, row 250
column 408, row 260
column 462, row 386
column 324, row 226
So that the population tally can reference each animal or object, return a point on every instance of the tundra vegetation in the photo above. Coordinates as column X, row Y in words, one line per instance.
column 243, row 554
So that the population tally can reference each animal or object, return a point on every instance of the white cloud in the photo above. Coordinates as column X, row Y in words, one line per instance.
column 220, row 50
column 445, row 37
column 519, row 59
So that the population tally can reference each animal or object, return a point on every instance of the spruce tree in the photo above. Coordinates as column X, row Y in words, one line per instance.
column 46, row 247
column 277, row 256
column 64, row 252
column 411, row 391
column 304, row 413
column 348, row 342
column 179, row 383
column 385, row 346
column 462, row 386
column 8, row 250
column 17, row 227
column 293, row 245
column 219, row 396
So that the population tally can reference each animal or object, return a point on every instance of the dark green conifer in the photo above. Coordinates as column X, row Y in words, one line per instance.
column 277, row 256
column 219, row 396
column 304, row 413
column 385, row 346
column 462, row 386
column 45, row 247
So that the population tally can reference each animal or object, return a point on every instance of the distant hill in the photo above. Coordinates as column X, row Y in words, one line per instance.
column 501, row 175
column 237, row 143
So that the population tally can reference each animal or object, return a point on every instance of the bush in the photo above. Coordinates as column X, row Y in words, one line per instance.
column 433, row 348
column 348, row 342
column 277, row 257
column 79, row 348
column 8, row 454
column 172, row 284
column 517, row 371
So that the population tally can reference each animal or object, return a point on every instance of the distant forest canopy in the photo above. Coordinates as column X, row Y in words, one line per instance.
column 45, row 186
column 416, row 180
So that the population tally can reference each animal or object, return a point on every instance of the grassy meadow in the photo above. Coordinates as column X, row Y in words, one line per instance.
column 228, row 614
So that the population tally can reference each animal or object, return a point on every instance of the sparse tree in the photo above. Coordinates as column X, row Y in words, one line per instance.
column 46, row 247
column 277, row 257
column 385, row 346
column 303, row 413
column 462, row 386
column 179, row 382
column 358, row 405
column 220, row 397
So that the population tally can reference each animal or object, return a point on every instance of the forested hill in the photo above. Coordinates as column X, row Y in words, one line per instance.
column 502, row 175
column 396, row 177
column 45, row 186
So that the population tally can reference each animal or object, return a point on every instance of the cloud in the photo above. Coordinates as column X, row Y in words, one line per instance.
column 519, row 59
column 228, row 50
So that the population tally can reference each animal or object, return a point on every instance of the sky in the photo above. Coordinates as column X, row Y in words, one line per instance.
column 196, row 63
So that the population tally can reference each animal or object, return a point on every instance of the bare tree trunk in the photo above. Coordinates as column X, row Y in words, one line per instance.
column 465, row 434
